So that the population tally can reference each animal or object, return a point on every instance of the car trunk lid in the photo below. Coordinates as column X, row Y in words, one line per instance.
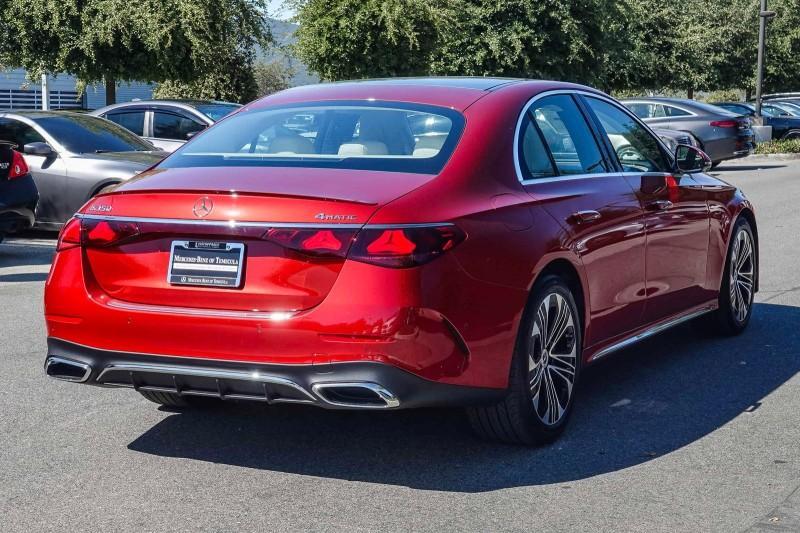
column 291, row 227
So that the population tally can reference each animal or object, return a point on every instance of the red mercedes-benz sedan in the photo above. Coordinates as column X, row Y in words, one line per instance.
column 400, row 243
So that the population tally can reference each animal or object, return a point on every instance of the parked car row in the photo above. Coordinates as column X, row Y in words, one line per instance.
column 71, row 157
column 722, row 134
column 784, row 117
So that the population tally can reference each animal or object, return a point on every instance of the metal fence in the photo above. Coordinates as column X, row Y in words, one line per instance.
column 32, row 99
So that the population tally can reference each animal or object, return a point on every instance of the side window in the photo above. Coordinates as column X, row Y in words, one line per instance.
column 637, row 149
column 18, row 133
column 675, row 112
column 534, row 160
column 130, row 120
column 571, row 144
column 172, row 126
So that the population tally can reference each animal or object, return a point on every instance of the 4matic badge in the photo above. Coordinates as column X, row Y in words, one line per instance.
column 335, row 218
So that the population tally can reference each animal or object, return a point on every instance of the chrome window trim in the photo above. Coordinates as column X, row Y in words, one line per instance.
column 554, row 179
column 237, row 224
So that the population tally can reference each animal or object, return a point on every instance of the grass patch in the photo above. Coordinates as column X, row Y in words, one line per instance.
column 789, row 146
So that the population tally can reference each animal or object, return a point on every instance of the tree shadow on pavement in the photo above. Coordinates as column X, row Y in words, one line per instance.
column 648, row 401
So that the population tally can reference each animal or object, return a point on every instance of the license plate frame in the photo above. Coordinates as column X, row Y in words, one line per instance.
column 213, row 267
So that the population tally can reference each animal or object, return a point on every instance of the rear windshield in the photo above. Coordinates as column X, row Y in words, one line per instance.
column 216, row 111
column 368, row 136
column 85, row 134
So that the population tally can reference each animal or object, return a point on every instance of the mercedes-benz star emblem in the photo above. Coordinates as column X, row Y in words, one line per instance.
column 203, row 207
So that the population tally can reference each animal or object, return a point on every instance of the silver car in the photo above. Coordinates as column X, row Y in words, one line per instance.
column 168, row 124
column 721, row 134
column 74, row 156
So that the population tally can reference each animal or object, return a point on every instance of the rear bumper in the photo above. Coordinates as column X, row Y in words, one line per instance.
column 356, row 385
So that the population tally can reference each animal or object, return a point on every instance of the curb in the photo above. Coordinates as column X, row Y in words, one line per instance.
column 769, row 157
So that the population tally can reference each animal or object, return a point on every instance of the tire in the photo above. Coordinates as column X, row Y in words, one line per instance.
column 791, row 135
column 741, row 271
column 170, row 399
column 523, row 416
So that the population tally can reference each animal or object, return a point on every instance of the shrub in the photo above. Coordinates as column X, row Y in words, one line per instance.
column 789, row 146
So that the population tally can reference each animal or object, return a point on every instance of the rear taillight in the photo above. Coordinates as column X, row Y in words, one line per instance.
column 724, row 123
column 18, row 166
column 317, row 242
column 394, row 247
column 95, row 233
column 403, row 247
column 70, row 235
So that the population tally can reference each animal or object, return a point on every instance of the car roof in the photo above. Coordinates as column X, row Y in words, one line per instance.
column 187, row 101
column 685, row 102
column 36, row 113
column 450, row 91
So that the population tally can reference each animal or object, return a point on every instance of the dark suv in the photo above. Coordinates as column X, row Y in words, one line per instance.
column 166, row 123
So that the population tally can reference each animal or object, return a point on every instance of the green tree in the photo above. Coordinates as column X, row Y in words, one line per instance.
column 272, row 77
column 178, row 41
column 558, row 39
column 350, row 39
column 782, row 65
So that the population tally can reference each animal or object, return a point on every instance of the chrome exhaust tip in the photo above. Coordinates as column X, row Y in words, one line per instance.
column 356, row 395
column 66, row 369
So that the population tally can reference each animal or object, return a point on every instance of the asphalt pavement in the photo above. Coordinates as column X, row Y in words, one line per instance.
column 685, row 432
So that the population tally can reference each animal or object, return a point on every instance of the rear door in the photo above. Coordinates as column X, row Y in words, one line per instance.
column 677, row 217
column 563, row 165
column 171, row 129
column 130, row 118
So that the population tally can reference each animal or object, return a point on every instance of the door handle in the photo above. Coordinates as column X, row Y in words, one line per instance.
column 582, row 217
column 660, row 205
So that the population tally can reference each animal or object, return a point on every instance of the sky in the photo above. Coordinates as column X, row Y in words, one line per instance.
column 277, row 10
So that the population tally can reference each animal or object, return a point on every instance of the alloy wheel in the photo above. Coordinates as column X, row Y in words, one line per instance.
column 742, row 275
column 552, row 358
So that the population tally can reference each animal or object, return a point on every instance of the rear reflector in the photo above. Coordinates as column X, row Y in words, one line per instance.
column 725, row 123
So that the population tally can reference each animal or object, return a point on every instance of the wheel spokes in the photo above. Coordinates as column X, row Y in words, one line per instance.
column 552, row 358
column 742, row 278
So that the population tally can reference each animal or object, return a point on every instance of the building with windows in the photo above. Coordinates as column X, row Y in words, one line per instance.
column 19, row 92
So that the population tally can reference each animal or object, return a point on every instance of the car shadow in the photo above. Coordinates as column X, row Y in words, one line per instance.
column 737, row 168
column 23, row 277
column 640, row 404
column 15, row 252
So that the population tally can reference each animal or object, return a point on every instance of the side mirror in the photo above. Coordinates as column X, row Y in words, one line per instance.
column 38, row 148
column 690, row 159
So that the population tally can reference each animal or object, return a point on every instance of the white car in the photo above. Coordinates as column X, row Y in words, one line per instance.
column 167, row 124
